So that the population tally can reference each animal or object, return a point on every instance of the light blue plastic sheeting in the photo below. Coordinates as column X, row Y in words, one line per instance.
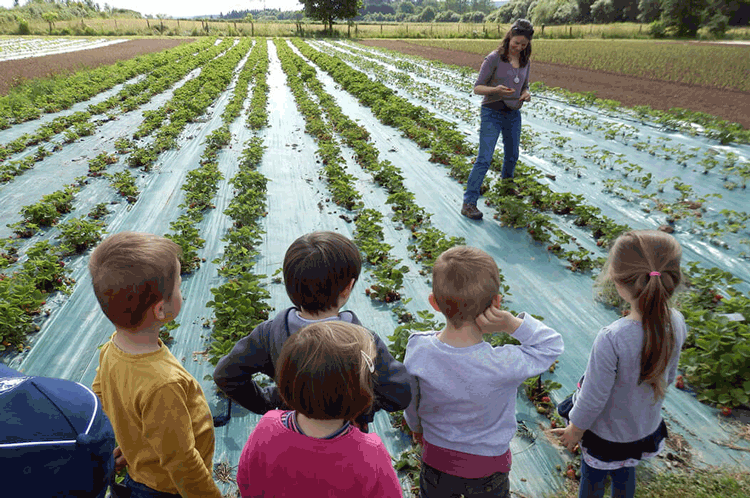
column 67, row 344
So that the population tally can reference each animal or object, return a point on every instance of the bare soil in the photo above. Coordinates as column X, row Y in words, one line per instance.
column 733, row 106
column 16, row 71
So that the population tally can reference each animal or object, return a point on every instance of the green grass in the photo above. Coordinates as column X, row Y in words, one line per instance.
column 696, row 483
column 716, row 66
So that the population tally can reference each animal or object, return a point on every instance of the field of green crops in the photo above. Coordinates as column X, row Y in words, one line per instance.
column 718, row 66
column 234, row 147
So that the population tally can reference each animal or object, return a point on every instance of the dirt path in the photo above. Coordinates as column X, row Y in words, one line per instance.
column 731, row 105
column 15, row 71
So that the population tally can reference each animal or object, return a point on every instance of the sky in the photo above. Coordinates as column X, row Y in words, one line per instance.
column 189, row 8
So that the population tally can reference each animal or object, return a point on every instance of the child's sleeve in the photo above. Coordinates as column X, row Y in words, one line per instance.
column 680, row 334
column 392, row 384
column 540, row 346
column 598, row 383
column 168, row 429
column 411, row 414
column 234, row 373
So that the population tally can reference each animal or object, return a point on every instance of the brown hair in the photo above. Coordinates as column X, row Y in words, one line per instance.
column 464, row 282
column 131, row 272
column 318, row 267
column 521, row 27
column 322, row 372
column 632, row 258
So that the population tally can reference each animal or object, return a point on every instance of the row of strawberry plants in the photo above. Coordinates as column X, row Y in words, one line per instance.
column 188, row 103
column 240, row 303
column 388, row 271
column 31, row 100
column 202, row 183
column 606, row 229
column 174, row 65
column 24, row 292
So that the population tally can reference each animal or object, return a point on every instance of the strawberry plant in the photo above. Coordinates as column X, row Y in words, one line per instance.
column 99, row 211
column 79, row 234
column 124, row 183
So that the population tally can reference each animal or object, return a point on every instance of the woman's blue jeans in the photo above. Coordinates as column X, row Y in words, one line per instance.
column 493, row 123
column 593, row 482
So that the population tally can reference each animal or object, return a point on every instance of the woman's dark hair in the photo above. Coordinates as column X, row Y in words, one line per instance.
column 521, row 27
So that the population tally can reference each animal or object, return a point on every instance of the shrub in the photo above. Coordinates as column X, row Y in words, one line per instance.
column 23, row 27
column 447, row 16
column 717, row 25
column 657, row 29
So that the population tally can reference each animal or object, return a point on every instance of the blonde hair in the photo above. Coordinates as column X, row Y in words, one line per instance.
column 323, row 370
column 132, row 271
column 633, row 258
column 464, row 282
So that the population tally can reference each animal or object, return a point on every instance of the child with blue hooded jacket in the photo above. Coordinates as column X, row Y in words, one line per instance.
column 320, row 270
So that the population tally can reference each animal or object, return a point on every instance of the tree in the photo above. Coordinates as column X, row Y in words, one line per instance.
column 328, row 10
column 427, row 15
column 50, row 17
column 684, row 16
column 406, row 7
column 649, row 10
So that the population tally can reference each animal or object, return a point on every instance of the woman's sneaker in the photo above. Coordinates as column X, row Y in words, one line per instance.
column 471, row 211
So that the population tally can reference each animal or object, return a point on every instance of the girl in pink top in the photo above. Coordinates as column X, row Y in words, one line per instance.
column 325, row 375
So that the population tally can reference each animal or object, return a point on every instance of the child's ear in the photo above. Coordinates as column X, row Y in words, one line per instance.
column 160, row 313
column 348, row 289
column 433, row 302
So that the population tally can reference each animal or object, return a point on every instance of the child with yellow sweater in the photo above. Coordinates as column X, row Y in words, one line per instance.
column 159, row 413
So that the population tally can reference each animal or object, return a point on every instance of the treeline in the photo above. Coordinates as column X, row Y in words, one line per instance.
column 64, row 10
column 682, row 18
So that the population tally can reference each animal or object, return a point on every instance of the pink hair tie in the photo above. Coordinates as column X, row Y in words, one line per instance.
column 654, row 274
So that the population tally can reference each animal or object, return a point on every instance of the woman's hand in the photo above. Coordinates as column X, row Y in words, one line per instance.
column 525, row 96
column 504, row 90
column 569, row 437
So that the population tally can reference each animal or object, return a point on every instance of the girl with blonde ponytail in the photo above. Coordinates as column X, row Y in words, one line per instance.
column 616, row 414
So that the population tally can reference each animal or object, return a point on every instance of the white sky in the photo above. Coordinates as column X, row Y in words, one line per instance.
column 189, row 8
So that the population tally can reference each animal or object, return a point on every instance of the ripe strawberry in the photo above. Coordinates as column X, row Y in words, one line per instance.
column 680, row 384
column 571, row 473
column 545, row 399
column 726, row 411
column 553, row 424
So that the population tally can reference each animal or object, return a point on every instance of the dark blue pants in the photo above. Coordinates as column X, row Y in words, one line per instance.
column 593, row 482
column 436, row 484
column 494, row 123
column 138, row 490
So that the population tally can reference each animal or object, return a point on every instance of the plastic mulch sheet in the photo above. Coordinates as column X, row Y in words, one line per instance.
column 67, row 345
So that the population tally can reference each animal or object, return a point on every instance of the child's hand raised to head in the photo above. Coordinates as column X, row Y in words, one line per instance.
column 494, row 320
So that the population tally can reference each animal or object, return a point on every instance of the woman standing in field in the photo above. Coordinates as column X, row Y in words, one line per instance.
column 504, row 82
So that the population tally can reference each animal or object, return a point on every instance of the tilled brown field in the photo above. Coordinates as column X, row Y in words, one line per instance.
column 730, row 105
column 15, row 71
